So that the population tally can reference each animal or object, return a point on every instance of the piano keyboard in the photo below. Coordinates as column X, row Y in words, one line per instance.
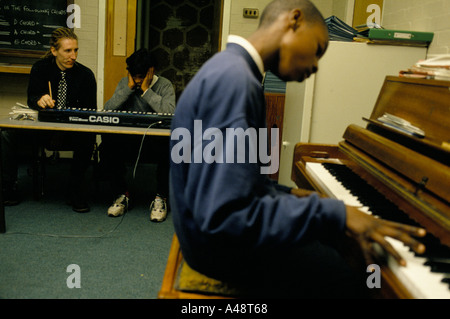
column 425, row 276
column 106, row 117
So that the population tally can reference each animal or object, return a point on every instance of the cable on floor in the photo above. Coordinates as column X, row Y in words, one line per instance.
column 68, row 236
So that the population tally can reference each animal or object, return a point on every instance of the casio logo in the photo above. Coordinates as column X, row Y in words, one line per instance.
column 104, row 119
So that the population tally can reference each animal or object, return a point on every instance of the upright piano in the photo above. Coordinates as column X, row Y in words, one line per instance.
column 397, row 168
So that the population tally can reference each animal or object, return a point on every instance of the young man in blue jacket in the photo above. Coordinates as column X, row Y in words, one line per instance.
column 233, row 223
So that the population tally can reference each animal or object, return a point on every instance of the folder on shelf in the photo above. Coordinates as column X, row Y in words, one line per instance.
column 338, row 30
column 400, row 35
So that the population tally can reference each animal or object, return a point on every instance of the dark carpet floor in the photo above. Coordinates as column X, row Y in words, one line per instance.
column 122, row 257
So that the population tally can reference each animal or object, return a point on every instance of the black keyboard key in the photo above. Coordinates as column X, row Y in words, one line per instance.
column 440, row 265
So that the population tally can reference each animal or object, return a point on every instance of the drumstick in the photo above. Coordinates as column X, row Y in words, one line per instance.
column 50, row 91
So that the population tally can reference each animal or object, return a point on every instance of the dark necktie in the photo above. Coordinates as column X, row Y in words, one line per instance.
column 62, row 91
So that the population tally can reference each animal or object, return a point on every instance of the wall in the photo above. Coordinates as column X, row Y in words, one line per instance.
column 421, row 15
column 239, row 25
column 88, row 34
column 415, row 15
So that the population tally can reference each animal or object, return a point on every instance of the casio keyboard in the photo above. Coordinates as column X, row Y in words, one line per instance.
column 397, row 175
column 114, row 118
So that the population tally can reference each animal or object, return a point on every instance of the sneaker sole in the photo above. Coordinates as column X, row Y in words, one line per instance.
column 111, row 215
column 156, row 220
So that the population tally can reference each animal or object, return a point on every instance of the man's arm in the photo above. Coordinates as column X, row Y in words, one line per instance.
column 38, row 92
column 161, row 96
column 120, row 96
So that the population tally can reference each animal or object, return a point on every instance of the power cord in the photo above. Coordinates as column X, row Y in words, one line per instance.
column 68, row 236
column 142, row 143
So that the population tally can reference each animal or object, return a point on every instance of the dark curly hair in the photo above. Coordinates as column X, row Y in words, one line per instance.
column 140, row 61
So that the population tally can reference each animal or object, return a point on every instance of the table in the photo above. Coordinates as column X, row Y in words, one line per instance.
column 69, row 127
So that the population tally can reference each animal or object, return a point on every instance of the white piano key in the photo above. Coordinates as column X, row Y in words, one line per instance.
column 416, row 277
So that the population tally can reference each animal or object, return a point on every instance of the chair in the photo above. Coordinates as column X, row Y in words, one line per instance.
column 40, row 161
column 182, row 282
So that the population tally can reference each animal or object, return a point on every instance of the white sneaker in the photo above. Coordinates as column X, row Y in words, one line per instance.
column 158, row 209
column 119, row 207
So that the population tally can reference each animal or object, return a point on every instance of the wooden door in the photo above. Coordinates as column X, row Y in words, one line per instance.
column 119, row 42
column 274, row 117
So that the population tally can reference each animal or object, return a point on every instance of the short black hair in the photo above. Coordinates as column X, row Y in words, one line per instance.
column 140, row 61
column 277, row 7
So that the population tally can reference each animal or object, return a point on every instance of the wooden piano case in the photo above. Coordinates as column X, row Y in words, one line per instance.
column 411, row 171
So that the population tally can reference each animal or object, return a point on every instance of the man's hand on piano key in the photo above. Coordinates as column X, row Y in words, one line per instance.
column 368, row 229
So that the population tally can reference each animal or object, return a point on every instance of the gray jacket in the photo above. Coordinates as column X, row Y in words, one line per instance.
column 159, row 98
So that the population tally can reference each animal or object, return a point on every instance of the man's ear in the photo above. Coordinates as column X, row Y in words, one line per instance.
column 296, row 18
column 53, row 50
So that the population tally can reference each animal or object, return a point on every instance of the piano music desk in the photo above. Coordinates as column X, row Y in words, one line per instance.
column 69, row 127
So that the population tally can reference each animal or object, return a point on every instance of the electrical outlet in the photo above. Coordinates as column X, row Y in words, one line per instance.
column 251, row 13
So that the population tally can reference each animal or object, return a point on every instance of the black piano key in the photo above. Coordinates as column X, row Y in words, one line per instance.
column 440, row 265
column 368, row 195
column 434, row 249
column 446, row 280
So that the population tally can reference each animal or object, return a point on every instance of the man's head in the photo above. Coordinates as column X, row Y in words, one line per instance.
column 139, row 63
column 303, row 38
column 64, row 47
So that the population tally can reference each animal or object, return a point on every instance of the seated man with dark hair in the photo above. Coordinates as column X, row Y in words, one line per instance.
column 141, row 91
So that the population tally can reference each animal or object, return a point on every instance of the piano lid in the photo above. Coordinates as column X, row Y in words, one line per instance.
column 422, row 163
column 423, row 103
